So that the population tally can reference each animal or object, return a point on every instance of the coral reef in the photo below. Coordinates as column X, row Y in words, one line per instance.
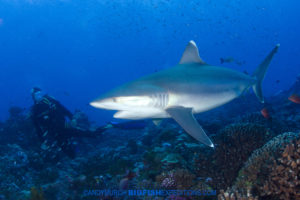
column 132, row 145
column 277, row 124
column 13, row 170
column 271, row 170
column 98, row 165
column 80, row 120
column 257, row 162
column 36, row 194
column 18, row 129
column 234, row 144
column 234, row 195
column 254, row 117
column 167, row 180
column 176, row 179
column 283, row 180
column 172, row 161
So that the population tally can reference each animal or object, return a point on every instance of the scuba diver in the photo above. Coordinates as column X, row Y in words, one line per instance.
column 54, row 128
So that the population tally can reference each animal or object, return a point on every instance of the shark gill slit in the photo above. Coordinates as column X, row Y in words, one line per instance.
column 160, row 100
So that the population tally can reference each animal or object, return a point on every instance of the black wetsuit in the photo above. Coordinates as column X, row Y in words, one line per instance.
column 50, row 119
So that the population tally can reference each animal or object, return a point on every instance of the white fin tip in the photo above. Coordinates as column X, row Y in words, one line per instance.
column 193, row 42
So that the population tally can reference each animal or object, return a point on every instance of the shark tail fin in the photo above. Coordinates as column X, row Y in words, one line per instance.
column 260, row 72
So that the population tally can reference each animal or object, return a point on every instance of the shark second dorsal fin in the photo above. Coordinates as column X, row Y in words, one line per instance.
column 191, row 54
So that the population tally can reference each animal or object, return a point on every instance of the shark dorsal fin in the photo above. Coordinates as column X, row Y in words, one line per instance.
column 191, row 54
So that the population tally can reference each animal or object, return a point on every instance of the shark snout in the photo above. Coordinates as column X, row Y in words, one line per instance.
column 104, row 103
column 123, row 102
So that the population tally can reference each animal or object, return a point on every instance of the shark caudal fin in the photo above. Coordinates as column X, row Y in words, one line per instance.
column 260, row 72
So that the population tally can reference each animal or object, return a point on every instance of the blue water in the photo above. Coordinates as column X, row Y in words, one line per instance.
column 76, row 50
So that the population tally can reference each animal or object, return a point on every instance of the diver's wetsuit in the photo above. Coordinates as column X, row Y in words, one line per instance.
column 50, row 119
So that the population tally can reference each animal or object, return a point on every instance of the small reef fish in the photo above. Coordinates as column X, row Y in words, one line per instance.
column 227, row 60
column 295, row 98
column 265, row 113
column 124, row 183
column 240, row 63
column 245, row 72
column 69, row 179
column 231, row 60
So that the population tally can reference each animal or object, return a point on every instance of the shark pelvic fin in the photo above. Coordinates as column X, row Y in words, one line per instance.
column 260, row 72
column 185, row 118
column 157, row 122
column 191, row 54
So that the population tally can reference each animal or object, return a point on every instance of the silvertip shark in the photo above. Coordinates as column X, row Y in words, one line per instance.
column 190, row 87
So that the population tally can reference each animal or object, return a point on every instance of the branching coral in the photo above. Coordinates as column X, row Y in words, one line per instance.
column 256, row 168
column 283, row 180
column 234, row 195
column 176, row 179
column 273, row 170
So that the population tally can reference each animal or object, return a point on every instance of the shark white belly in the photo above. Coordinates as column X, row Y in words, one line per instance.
column 201, row 103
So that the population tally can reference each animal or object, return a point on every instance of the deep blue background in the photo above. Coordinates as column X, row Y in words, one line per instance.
column 76, row 50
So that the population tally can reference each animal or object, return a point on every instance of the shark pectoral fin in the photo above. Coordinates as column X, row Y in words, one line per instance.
column 157, row 122
column 185, row 118
column 191, row 54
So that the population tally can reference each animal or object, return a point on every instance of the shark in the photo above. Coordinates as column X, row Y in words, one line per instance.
column 181, row 91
